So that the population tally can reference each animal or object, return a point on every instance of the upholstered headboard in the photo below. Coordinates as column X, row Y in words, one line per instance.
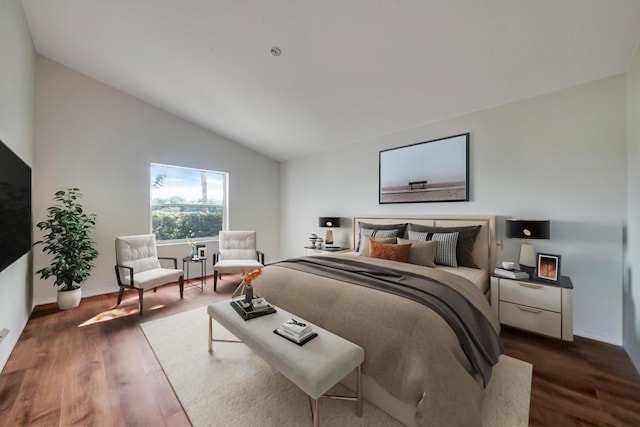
column 484, row 250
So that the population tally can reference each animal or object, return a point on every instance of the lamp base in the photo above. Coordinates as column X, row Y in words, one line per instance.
column 531, row 271
column 329, row 237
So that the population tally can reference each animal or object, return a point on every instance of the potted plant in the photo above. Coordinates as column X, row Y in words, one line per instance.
column 67, row 229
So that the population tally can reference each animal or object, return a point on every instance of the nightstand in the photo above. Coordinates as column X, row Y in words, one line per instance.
column 541, row 307
column 324, row 251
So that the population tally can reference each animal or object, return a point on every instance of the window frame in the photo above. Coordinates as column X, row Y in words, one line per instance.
column 224, row 205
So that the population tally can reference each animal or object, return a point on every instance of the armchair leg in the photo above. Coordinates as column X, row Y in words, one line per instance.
column 140, row 291
column 181, row 284
column 120, row 295
column 215, row 280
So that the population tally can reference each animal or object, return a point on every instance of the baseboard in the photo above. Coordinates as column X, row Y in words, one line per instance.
column 85, row 293
column 597, row 337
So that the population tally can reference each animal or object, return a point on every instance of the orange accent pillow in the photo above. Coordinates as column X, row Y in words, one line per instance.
column 388, row 251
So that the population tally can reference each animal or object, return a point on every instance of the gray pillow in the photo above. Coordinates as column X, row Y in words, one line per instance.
column 421, row 253
column 380, row 231
column 364, row 248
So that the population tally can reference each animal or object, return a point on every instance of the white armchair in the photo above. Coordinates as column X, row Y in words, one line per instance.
column 236, row 252
column 138, row 266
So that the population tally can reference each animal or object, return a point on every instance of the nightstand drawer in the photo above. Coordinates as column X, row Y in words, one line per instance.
column 531, row 295
column 532, row 319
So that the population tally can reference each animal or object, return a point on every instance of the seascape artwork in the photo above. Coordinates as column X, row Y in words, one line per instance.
column 432, row 171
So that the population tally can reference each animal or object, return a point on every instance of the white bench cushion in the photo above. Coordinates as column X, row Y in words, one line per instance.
column 314, row 367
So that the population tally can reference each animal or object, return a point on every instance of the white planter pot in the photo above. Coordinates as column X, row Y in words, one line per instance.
column 69, row 299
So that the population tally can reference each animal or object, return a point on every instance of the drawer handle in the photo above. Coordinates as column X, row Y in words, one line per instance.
column 529, row 285
column 529, row 309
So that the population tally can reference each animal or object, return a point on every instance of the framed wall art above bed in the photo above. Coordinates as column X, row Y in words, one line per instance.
column 430, row 171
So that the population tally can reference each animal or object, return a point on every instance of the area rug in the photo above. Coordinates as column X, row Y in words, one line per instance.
column 234, row 387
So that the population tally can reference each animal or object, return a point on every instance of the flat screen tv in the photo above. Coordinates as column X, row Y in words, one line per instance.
column 15, row 207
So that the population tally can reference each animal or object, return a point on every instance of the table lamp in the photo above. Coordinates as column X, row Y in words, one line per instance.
column 524, row 228
column 329, row 222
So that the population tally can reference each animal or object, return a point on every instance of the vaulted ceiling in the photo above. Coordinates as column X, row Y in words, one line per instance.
column 349, row 70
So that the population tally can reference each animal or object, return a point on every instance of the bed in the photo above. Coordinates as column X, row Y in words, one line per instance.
column 417, row 368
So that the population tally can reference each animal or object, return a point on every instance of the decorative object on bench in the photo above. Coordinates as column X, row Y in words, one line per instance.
column 258, row 307
column 296, row 331
column 138, row 266
column 245, row 303
column 246, row 283
column 67, row 239
column 236, row 253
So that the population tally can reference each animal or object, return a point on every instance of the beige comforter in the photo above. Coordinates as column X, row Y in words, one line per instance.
column 410, row 351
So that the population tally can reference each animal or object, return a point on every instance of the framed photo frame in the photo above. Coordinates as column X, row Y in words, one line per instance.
column 430, row 171
column 201, row 251
column 548, row 267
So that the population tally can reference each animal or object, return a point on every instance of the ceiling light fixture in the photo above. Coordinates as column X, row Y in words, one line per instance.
column 276, row 51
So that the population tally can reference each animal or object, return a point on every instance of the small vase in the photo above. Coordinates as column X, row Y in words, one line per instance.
column 248, row 294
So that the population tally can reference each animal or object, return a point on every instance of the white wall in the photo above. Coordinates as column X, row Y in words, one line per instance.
column 101, row 140
column 631, row 292
column 561, row 156
column 16, row 131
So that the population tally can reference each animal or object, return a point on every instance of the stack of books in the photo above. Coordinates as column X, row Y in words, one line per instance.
column 297, row 331
column 510, row 274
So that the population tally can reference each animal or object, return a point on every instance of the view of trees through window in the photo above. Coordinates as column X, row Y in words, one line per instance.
column 187, row 203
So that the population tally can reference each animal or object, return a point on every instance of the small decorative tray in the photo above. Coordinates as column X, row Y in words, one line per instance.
column 250, row 313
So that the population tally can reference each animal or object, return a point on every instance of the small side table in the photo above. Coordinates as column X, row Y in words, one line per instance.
column 203, row 270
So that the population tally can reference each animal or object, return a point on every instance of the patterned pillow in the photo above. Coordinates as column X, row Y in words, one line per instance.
column 466, row 240
column 380, row 231
column 388, row 251
column 447, row 244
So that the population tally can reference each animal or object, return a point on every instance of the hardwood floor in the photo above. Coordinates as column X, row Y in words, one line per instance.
column 586, row 383
column 92, row 366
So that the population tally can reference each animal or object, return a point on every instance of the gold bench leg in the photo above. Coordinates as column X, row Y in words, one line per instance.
column 358, row 399
column 210, row 333
column 315, row 417
column 359, row 390
column 211, row 339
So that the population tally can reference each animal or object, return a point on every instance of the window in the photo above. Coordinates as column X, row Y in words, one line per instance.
column 187, row 203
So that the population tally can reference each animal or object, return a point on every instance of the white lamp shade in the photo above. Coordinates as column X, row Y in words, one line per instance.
column 527, row 255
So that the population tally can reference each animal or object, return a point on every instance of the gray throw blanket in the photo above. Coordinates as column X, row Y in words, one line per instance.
column 477, row 337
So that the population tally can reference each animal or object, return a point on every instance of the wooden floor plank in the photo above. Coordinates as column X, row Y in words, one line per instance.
column 93, row 366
